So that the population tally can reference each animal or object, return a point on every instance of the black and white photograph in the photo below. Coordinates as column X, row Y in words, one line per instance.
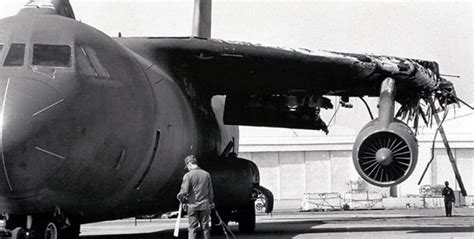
column 226, row 119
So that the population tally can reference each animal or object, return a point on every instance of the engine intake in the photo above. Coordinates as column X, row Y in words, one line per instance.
column 385, row 157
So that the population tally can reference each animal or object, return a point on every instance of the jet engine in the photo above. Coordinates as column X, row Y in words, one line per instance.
column 385, row 156
column 385, row 151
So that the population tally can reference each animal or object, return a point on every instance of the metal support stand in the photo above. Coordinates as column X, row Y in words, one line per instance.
column 448, row 150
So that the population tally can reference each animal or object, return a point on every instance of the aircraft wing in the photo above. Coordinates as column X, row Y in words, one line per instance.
column 256, row 78
column 234, row 67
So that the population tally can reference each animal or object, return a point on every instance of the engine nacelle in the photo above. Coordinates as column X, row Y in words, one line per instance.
column 385, row 155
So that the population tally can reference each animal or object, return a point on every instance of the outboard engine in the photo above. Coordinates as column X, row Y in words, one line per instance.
column 385, row 151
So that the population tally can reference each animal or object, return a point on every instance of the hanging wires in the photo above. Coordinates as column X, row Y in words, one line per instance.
column 462, row 101
column 335, row 112
column 368, row 108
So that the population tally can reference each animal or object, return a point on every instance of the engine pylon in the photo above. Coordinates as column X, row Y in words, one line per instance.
column 386, row 151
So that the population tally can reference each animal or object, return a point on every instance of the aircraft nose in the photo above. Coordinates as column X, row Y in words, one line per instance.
column 26, row 106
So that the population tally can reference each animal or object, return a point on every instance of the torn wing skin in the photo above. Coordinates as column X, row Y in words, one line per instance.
column 287, row 84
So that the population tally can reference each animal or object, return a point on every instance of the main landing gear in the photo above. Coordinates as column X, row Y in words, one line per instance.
column 55, row 226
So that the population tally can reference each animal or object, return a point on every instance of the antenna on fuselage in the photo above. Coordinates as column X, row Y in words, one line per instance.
column 61, row 7
column 202, row 18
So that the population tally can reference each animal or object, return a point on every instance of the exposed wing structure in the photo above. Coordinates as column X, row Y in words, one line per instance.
column 284, row 87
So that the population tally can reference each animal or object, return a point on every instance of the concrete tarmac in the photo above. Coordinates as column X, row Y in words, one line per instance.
column 407, row 223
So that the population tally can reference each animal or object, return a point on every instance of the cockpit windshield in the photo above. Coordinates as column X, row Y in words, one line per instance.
column 88, row 62
column 16, row 55
column 1, row 48
column 51, row 55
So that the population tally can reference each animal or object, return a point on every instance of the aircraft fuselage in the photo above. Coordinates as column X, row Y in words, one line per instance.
column 101, row 135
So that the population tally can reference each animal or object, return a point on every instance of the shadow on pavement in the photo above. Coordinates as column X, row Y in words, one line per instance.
column 292, row 229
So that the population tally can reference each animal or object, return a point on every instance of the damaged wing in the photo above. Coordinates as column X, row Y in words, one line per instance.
column 281, row 87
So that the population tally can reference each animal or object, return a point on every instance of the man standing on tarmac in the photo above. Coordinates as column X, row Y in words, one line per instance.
column 196, row 191
column 448, row 194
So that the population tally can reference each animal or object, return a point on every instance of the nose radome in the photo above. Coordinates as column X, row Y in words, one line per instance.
column 25, row 107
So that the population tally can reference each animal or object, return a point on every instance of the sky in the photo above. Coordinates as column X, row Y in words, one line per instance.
column 432, row 30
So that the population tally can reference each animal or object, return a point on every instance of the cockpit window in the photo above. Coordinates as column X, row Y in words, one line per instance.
column 16, row 55
column 99, row 68
column 88, row 62
column 51, row 55
column 83, row 63
column 1, row 48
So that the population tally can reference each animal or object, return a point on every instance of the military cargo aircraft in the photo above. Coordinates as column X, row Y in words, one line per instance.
column 96, row 128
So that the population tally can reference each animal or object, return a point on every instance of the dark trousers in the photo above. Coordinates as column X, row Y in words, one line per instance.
column 199, row 221
column 448, row 205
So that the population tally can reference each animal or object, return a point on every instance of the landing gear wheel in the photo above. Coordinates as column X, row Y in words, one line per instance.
column 51, row 231
column 19, row 233
column 246, row 218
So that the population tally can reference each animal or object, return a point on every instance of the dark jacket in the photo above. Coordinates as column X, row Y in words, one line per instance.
column 197, row 187
column 448, row 194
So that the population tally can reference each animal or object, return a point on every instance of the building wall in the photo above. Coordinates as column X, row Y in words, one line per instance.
column 320, row 181
column 291, row 165
column 465, row 160
column 291, row 174
column 444, row 172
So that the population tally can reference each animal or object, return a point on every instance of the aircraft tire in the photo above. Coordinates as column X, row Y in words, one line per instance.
column 53, row 232
column 246, row 218
column 19, row 233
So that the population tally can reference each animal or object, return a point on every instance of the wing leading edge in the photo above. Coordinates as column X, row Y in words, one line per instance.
column 283, row 87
